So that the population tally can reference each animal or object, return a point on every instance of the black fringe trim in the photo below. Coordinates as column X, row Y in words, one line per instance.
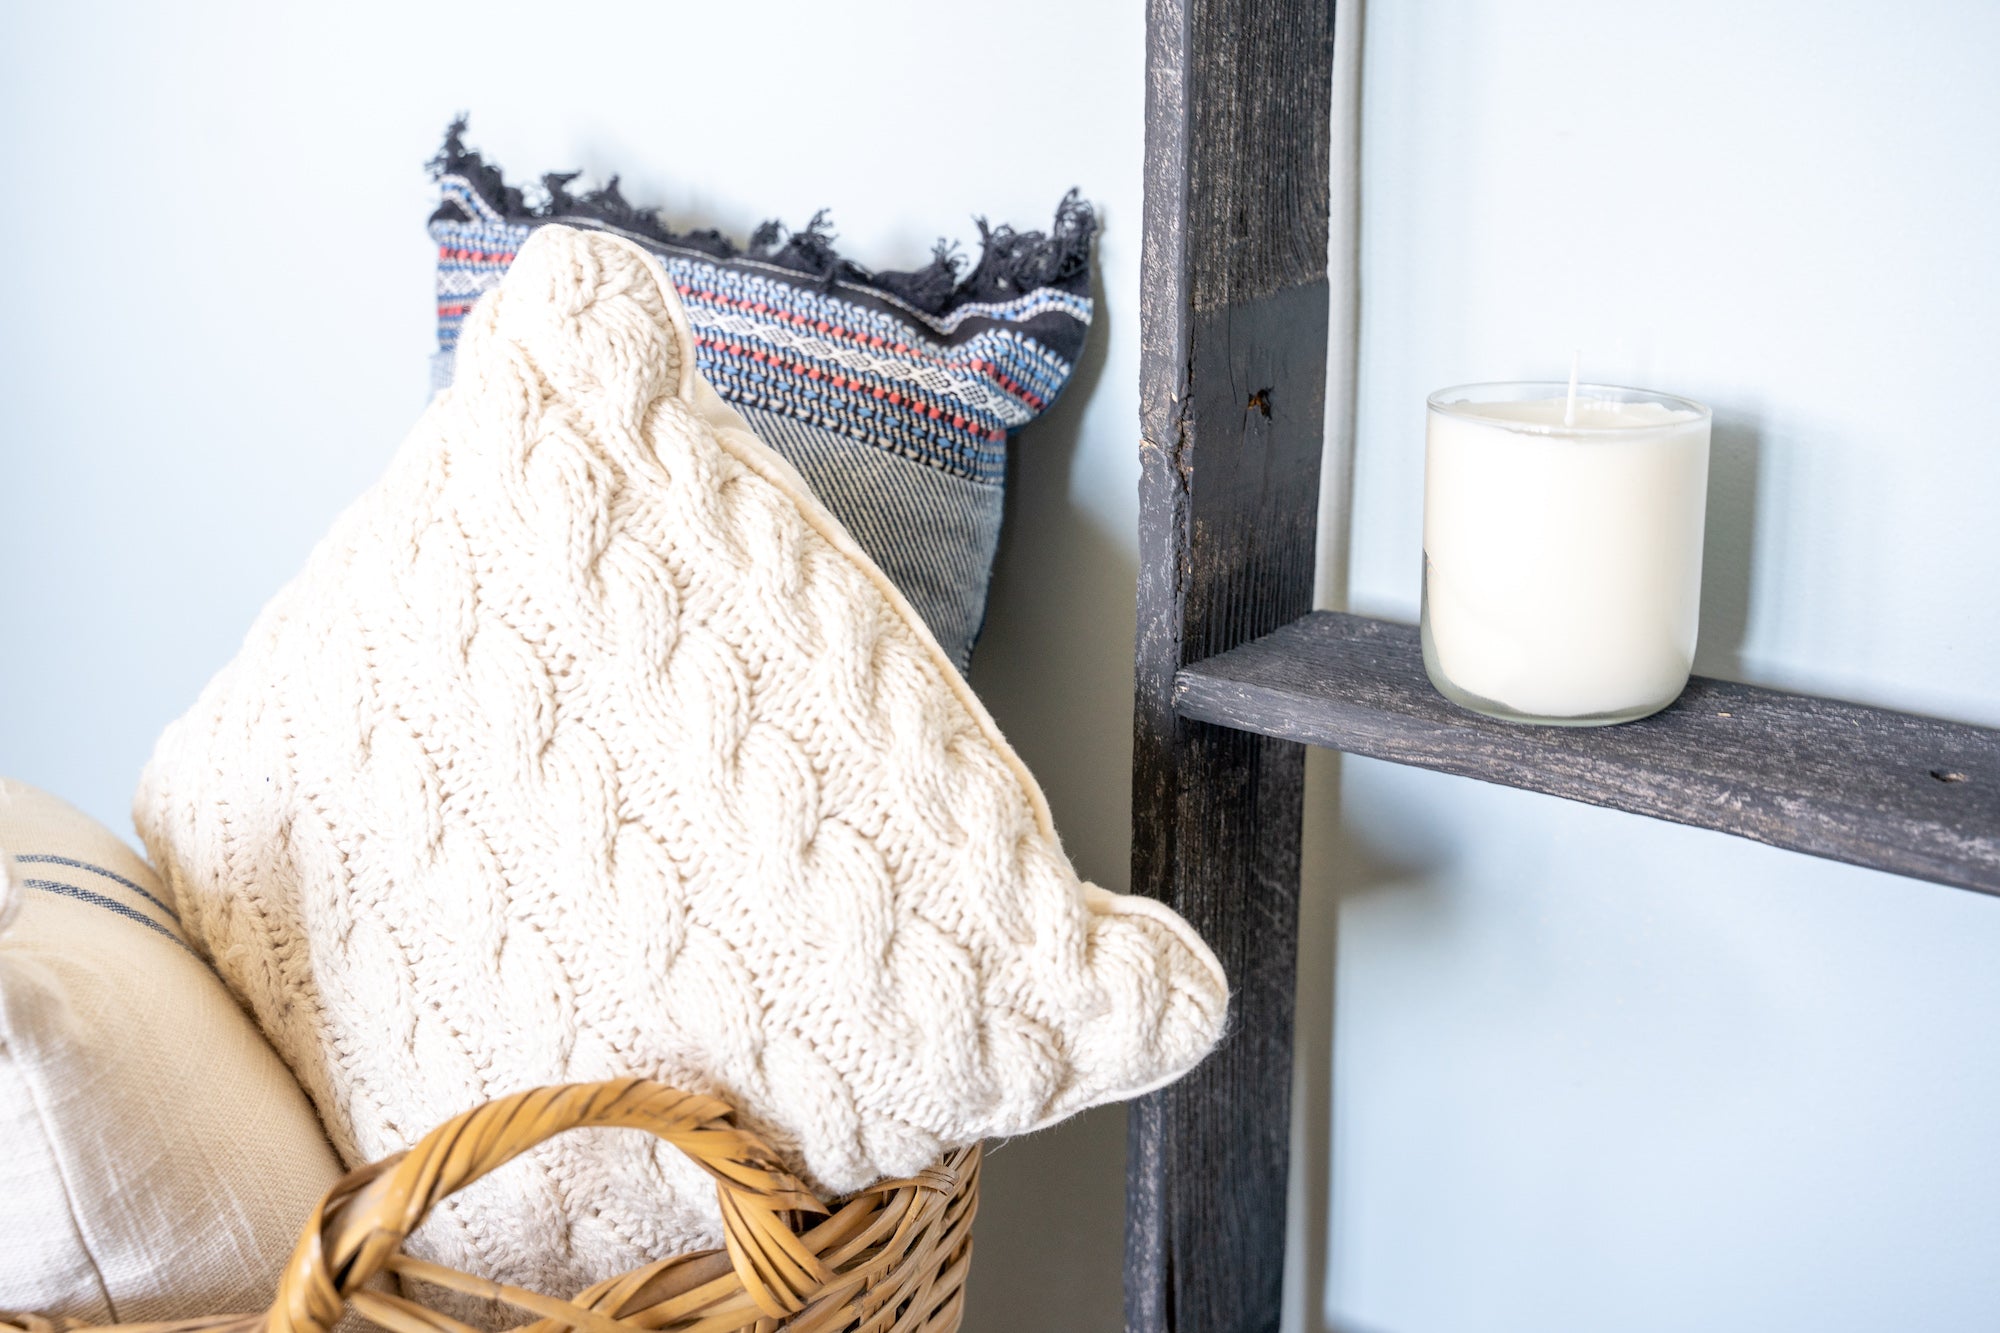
column 1010, row 262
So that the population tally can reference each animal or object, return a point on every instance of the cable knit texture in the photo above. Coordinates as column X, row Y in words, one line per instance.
column 589, row 744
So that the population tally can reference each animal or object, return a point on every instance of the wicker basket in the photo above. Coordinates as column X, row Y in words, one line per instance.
column 891, row 1259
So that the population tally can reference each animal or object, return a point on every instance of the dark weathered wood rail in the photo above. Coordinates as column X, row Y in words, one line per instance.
column 1233, row 334
column 1892, row 791
column 1235, row 675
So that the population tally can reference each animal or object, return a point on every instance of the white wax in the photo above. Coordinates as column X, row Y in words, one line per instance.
column 1562, row 563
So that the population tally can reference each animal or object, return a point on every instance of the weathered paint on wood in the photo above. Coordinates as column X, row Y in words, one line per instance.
column 1892, row 791
column 1233, row 321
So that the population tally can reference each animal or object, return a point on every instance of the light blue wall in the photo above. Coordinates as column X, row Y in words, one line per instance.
column 215, row 313
column 1587, row 1071
column 1590, row 1073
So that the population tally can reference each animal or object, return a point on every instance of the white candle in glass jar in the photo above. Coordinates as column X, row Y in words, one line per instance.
column 1562, row 549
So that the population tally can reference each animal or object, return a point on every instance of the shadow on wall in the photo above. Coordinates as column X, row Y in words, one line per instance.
column 1055, row 668
column 1337, row 867
column 1735, row 467
column 1054, row 665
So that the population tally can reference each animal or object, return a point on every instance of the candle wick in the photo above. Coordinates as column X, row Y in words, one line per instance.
column 1569, row 408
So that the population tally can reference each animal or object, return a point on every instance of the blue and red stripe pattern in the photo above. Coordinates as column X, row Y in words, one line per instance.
column 895, row 395
column 944, row 389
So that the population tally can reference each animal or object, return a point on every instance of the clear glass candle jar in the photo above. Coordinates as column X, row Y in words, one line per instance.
column 1562, row 549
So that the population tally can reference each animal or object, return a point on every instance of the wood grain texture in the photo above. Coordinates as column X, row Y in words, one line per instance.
column 1891, row 791
column 1257, row 203
column 1232, row 403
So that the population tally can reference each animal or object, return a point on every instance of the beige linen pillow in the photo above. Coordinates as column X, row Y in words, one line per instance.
column 589, row 744
column 156, row 1160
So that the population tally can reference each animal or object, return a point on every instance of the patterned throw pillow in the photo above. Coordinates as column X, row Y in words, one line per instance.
column 893, row 394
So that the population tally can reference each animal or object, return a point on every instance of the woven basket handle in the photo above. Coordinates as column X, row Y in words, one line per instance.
column 357, row 1229
column 895, row 1253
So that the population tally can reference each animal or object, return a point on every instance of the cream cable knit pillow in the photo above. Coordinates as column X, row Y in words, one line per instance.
column 589, row 744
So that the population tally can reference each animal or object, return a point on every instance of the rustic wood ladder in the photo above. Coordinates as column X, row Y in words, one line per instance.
column 1236, row 673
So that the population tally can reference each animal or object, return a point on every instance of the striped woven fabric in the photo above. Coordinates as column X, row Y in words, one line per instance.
column 894, row 393
column 106, row 890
